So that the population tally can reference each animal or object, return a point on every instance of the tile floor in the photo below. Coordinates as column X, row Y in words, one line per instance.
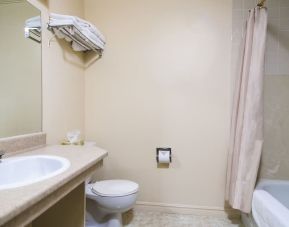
column 157, row 219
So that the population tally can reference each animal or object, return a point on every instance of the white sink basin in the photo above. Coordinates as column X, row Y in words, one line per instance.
column 20, row 171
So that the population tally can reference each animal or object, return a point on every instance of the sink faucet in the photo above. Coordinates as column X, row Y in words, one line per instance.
column 1, row 154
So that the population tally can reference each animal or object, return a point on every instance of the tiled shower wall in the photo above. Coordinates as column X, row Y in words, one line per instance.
column 275, row 158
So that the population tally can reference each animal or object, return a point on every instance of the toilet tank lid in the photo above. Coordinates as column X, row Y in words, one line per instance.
column 114, row 188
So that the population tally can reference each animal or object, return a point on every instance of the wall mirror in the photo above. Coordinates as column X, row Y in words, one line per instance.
column 20, row 68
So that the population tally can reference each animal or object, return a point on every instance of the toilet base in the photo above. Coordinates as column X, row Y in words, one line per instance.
column 99, row 218
column 112, row 220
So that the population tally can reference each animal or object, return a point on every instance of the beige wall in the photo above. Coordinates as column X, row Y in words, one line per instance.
column 63, row 76
column 20, row 76
column 163, row 81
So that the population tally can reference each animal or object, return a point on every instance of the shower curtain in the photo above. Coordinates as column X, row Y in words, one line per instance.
column 246, row 136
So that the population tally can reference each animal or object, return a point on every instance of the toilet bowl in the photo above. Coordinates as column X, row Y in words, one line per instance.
column 107, row 200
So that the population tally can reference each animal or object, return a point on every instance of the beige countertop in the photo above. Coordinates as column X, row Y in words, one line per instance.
column 15, row 201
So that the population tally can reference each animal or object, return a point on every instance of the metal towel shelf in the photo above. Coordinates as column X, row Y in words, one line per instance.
column 77, row 36
column 33, row 33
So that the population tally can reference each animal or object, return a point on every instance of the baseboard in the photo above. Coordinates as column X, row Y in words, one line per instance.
column 187, row 209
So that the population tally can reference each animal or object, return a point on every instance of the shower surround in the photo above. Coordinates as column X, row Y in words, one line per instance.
column 276, row 90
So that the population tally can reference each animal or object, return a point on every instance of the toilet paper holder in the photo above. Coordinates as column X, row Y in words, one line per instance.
column 163, row 149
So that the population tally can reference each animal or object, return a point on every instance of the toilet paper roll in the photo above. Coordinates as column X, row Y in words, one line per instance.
column 164, row 157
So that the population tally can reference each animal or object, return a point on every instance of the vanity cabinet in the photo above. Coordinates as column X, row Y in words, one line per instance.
column 69, row 211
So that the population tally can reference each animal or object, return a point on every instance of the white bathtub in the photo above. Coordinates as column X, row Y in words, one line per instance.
column 270, row 205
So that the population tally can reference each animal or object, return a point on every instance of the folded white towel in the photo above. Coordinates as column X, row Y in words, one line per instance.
column 32, row 28
column 77, row 47
column 91, row 28
column 33, row 22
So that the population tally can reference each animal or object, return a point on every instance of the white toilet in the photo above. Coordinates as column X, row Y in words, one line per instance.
column 107, row 200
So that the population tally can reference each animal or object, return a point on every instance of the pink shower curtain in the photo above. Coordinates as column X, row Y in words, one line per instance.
column 246, row 136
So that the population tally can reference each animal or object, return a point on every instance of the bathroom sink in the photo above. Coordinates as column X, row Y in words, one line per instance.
column 20, row 171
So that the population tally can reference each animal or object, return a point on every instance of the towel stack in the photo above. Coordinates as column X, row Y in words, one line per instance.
column 91, row 33
column 33, row 22
column 32, row 28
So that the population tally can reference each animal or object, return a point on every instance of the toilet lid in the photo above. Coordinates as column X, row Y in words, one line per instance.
column 114, row 188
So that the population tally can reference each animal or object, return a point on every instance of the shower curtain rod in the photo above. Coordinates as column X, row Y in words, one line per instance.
column 261, row 3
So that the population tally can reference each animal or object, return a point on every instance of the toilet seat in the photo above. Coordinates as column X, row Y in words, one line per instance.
column 114, row 188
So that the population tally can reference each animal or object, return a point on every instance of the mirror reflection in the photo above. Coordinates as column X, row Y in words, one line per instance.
column 20, row 68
